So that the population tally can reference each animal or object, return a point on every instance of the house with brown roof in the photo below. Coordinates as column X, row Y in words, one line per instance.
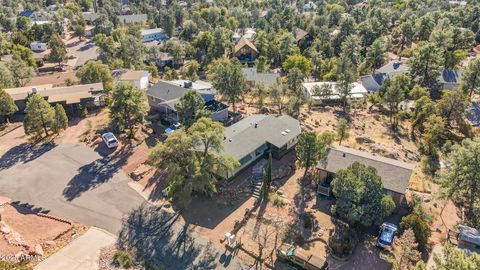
column 88, row 95
column 245, row 51
column 303, row 38
column 395, row 174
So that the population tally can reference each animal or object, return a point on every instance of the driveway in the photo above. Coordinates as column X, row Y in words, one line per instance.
column 81, row 253
column 69, row 181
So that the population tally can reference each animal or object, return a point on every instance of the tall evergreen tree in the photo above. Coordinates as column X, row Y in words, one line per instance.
column 7, row 105
column 39, row 115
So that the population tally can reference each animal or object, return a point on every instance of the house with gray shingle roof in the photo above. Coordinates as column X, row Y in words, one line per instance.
column 251, row 138
column 164, row 95
column 395, row 174
column 448, row 79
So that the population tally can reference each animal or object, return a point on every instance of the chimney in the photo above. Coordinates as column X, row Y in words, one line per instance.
column 256, row 125
column 34, row 90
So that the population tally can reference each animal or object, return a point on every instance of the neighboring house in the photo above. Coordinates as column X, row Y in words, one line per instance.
column 134, row 18
column 473, row 114
column 458, row 3
column 252, row 137
column 303, row 38
column 153, row 34
column 448, row 79
column 245, row 51
column 36, row 17
column 253, row 77
column 395, row 174
column 164, row 59
column 310, row 6
column 164, row 95
column 466, row 237
column 358, row 92
column 90, row 16
column 38, row 46
column 89, row 95
column 250, row 34
column 138, row 78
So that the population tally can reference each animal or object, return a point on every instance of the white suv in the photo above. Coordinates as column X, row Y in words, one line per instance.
column 110, row 140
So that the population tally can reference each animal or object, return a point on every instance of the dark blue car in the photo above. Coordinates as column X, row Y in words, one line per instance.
column 387, row 233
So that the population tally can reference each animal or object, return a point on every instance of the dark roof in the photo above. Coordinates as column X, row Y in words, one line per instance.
column 473, row 114
column 26, row 13
column 450, row 76
column 395, row 174
column 169, row 91
column 215, row 106
column 469, row 235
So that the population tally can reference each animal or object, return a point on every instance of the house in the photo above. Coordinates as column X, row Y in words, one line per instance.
column 139, row 78
column 164, row 59
column 164, row 95
column 90, row 16
column 89, row 95
column 466, row 237
column 249, row 33
column 473, row 114
column 303, row 38
column 36, row 17
column 253, row 77
column 358, row 92
column 133, row 18
column 309, row 6
column 153, row 34
column 252, row 137
column 245, row 51
column 38, row 46
column 447, row 80
column 458, row 3
column 395, row 174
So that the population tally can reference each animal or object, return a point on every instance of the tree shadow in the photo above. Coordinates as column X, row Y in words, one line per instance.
column 23, row 153
column 95, row 173
column 156, row 239
column 27, row 208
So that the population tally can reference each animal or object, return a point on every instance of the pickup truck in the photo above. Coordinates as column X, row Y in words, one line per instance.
column 301, row 258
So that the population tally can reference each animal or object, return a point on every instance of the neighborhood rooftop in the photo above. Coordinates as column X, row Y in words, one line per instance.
column 252, row 132
column 395, row 174
column 69, row 94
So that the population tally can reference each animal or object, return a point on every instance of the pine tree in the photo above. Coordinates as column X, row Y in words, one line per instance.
column 60, row 121
column 7, row 105
column 39, row 115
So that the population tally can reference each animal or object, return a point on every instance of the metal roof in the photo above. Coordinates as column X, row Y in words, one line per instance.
column 172, row 90
column 395, row 174
column 267, row 79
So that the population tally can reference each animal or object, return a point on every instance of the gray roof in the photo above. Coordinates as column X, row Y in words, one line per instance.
column 173, row 90
column 267, row 79
column 394, row 67
column 395, row 174
column 473, row 113
column 134, row 18
column 243, row 137
column 373, row 82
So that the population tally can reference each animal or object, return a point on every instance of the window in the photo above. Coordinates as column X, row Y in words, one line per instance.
column 245, row 159
column 261, row 150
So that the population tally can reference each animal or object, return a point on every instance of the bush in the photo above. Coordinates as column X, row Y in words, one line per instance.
column 123, row 259
column 308, row 220
column 343, row 241
column 420, row 229
column 276, row 200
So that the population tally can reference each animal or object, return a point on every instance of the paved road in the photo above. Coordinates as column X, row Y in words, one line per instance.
column 72, row 181
column 82, row 253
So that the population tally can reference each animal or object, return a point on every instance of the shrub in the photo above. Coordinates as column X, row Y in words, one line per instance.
column 123, row 259
column 308, row 220
column 276, row 200
column 343, row 241
column 420, row 228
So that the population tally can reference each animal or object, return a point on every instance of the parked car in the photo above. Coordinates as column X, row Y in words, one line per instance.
column 301, row 258
column 387, row 233
column 110, row 139
column 173, row 127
